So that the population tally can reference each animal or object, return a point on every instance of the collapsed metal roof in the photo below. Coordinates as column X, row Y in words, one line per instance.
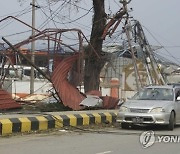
column 6, row 101
column 69, row 95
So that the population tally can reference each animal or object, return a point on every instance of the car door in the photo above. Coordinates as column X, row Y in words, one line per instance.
column 177, row 105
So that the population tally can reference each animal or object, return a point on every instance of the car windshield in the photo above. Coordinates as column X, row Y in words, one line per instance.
column 154, row 94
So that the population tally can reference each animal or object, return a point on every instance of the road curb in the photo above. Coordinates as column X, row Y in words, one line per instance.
column 49, row 121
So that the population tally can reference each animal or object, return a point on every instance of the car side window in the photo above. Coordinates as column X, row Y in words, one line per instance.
column 177, row 93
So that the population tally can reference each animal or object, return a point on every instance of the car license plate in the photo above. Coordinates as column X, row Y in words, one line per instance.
column 137, row 120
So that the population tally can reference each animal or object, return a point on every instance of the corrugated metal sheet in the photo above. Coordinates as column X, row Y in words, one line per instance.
column 94, row 92
column 109, row 102
column 69, row 94
column 6, row 101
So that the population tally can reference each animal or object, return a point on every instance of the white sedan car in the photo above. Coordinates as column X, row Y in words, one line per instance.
column 152, row 105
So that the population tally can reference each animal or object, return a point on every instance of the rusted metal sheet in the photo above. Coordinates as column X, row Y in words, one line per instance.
column 69, row 94
column 109, row 102
column 6, row 101
column 94, row 92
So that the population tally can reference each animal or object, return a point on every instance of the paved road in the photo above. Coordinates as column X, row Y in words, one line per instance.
column 108, row 141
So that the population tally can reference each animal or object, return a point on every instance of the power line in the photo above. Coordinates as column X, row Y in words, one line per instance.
column 69, row 2
column 23, row 12
column 17, row 33
column 162, row 45
column 56, row 12
column 18, row 12
column 78, row 17
column 49, row 18
column 175, row 46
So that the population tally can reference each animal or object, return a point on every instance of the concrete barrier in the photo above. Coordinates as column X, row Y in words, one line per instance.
column 49, row 121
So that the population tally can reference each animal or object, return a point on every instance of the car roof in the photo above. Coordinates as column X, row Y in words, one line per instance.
column 168, row 86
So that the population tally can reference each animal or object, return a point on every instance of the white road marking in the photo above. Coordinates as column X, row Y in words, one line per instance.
column 105, row 152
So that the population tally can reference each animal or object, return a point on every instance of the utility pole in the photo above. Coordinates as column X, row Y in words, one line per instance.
column 128, row 29
column 150, row 61
column 142, row 41
column 32, row 48
column 137, row 76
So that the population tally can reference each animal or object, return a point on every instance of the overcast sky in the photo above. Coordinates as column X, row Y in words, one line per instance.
column 160, row 17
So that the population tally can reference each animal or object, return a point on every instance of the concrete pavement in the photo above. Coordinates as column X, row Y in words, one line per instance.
column 96, row 141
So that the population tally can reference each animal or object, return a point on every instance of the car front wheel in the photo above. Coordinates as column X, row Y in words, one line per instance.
column 124, row 125
column 171, row 121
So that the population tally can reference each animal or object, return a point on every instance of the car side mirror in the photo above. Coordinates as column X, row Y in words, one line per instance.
column 121, row 101
column 178, row 98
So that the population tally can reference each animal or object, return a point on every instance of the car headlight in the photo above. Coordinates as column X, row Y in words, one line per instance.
column 157, row 110
column 123, row 109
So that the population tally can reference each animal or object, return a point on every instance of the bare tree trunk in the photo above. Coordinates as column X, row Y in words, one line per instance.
column 93, row 64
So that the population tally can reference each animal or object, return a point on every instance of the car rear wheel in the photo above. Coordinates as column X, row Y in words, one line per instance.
column 124, row 125
column 171, row 121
